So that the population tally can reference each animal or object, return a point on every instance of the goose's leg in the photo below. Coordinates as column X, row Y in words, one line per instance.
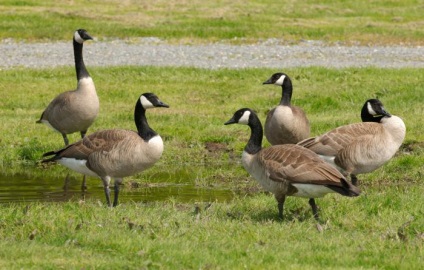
column 314, row 208
column 65, row 139
column 280, row 200
column 106, row 182
column 83, row 184
column 66, row 184
column 118, row 182
column 354, row 180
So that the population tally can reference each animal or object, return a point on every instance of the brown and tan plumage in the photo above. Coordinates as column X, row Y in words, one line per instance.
column 115, row 153
column 292, row 164
column 285, row 123
column 74, row 111
column 288, row 169
column 332, row 142
column 361, row 147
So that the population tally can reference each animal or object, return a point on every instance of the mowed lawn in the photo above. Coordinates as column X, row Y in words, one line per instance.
column 381, row 229
column 376, row 22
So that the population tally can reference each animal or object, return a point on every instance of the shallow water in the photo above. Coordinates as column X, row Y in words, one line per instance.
column 180, row 186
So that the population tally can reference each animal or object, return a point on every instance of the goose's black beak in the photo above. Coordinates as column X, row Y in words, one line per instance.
column 161, row 104
column 269, row 81
column 231, row 121
column 384, row 112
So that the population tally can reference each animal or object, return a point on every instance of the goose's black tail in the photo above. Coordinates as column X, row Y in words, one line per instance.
column 347, row 189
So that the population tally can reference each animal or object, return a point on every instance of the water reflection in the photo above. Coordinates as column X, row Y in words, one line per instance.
column 179, row 185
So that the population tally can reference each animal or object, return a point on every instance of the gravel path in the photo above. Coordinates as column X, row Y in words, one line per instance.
column 151, row 51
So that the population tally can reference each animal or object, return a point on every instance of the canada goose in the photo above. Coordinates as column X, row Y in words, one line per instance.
column 361, row 147
column 285, row 123
column 288, row 169
column 75, row 110
column 115, row 153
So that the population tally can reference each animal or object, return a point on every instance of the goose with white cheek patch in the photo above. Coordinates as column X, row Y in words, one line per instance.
column 288, row 169
column 74, row 111
column 285, row 123
column 361, row 147
column 115, row 153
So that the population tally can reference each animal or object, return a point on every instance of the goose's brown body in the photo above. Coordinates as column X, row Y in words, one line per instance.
column 293, row 171
column 73, row 111
column 360, row 147
column 115, row 153
column 288, row 169
column 285, row 124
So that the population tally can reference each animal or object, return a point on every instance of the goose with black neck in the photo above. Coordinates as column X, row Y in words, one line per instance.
column 115, row 153
column 75, row 110
column 288, row 169
column 285, row 123
column 362, row 147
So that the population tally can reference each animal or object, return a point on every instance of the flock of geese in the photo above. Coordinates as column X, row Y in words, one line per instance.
column 295, row 165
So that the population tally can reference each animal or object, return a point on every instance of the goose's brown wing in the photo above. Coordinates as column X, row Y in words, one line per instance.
column 57, row 106
column 101, row 141
column 330, row 143
column 296, row 164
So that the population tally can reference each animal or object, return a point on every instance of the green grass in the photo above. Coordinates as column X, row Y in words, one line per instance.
column 368, row 232
column 383, row 228
column 376, row 22
column 200, row 102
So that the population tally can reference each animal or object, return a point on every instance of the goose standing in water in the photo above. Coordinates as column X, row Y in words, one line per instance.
column 115, row 153
column 75, row 110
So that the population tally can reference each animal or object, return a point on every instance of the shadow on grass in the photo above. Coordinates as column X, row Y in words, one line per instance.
column 291, row 214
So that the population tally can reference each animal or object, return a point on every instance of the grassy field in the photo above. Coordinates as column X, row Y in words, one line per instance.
column 381, row 229
column 201, row 101
column 371, row 232
column 365, row 22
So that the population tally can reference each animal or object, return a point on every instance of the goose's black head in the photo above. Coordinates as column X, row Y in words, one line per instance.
column 242, row 116
column 248, row 117
column 277, row 79
column 373, row 111
column 150, row 100
column 81, row 35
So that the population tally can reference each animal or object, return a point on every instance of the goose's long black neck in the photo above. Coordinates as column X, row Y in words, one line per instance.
column 287, row 90
column 367, row 117
column 143, row 128
column 254, row 145
column 79, row 62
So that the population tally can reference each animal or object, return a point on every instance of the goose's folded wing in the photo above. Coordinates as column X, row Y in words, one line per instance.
column 333, row 141
column 57, row 105
column 101, row 141
column 298, row 165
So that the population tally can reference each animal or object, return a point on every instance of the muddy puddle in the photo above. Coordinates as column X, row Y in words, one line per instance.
column 180, row 186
